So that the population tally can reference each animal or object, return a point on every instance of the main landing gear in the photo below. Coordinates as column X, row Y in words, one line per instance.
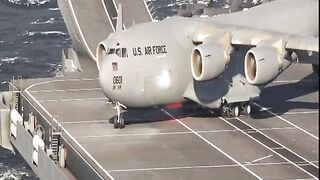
column 235, row 109
column 118, row 120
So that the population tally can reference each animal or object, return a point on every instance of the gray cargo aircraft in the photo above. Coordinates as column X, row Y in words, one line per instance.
column 219, row 62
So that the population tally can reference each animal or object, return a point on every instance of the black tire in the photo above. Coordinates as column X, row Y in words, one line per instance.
column 315, row 68
column 235, row 111
column 115, row 122
column 121, row 123
column 221, row 113
column 224, row 111
column 247, row 109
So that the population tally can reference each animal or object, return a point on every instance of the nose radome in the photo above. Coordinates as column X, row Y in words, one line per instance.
column 105, row 77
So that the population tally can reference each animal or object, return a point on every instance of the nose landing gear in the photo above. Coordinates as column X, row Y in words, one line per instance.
column 118, row 120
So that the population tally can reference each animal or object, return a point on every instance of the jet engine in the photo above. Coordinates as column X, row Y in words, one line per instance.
column 208, row 61
column 263, row 64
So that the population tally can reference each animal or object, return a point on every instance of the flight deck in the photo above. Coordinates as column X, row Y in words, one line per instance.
column 280, row 140
column 165, row 143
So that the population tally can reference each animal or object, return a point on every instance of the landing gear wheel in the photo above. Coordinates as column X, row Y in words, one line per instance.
column 121, row 123
column 247, row 109
column 118, row 122
column 115, row 122
column 235, row 111
column 225, row 111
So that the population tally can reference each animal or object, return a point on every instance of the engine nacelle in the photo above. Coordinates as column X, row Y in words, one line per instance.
column 208, row 61
column 263, row 64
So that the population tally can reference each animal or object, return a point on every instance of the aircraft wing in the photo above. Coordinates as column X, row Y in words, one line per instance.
column 306, row 48
column 271, row 53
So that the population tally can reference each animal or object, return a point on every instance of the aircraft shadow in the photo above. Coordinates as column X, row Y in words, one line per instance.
column 281, row 98
column 145, row 115
column 150, row 115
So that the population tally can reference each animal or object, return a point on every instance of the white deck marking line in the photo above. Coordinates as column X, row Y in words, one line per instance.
column 52, row 101
column 235, row 130
column 78, row 144
column 83, row 99
column 174, row 168
column 276, row 148
column 47, row 82
column 76, row 99
column 271, row 149
column 82, row 79
column 130, row 135
column 73, row 79
column 292, row 81
column 156, row 134
column 285, row 81
column 65, row 90
column 278, row 128
column 301, row 112
column 196, row 167
column 84, row 122
column 287, row 113
column 89, row 79
column 277, row 142
column 283, row 119
column 212, row 145
column 299, row 179
column 262, row 158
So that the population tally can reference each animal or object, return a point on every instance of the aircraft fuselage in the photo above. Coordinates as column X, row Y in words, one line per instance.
column 148, row 69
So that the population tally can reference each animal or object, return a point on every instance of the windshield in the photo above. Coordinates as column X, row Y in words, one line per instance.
column 121, row 52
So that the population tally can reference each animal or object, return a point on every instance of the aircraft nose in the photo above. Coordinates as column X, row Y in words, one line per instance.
column 105, row 76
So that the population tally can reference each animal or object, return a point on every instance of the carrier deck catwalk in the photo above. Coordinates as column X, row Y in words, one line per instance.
column 162, row 143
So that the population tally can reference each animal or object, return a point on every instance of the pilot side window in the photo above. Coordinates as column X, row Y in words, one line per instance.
column 110, row 51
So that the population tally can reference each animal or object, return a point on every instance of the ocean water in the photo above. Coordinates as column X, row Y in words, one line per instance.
column 32, row 36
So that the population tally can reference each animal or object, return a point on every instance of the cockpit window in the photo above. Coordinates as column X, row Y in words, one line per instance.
column 110, row 51
column 118, row 52
column 124, row 52
column 121, row 52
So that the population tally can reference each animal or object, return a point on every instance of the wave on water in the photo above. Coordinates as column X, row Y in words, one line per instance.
column 50, row 34
column 21, row 170
column 38, row 21
column 11, row 60
column 28, row 3
column 14, row 174
column 54, row 9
